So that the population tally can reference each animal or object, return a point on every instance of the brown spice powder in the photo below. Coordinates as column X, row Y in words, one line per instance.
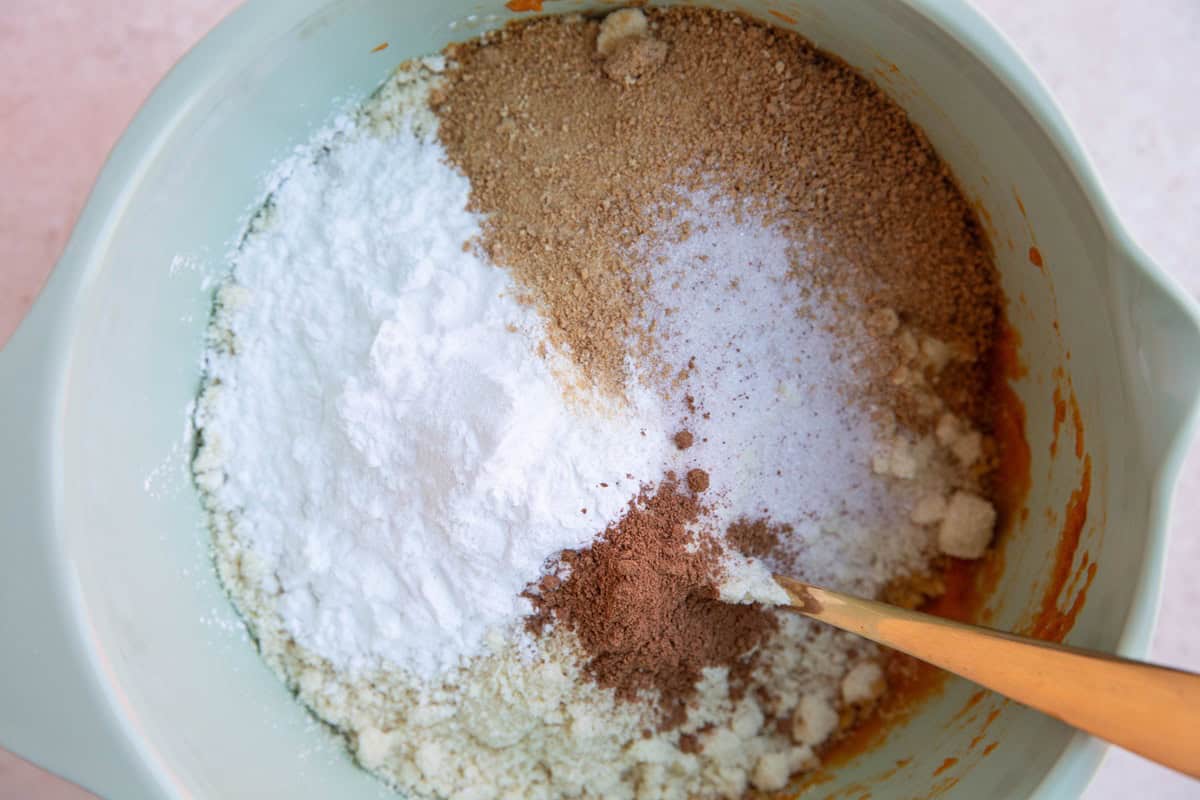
column 574, row 168
column 646, row 608
column 697, row 480
column 764, row 540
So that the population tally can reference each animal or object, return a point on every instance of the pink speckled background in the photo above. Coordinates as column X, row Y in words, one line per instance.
column 75, row 71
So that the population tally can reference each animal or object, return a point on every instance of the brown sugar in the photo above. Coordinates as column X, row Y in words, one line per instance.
column 573, row 169
column 643, row 600
column 684, row 439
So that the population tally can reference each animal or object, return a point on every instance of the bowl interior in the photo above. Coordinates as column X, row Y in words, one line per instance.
column 167, row 639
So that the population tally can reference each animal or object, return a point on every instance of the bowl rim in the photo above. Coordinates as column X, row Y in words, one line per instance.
column 38, row 358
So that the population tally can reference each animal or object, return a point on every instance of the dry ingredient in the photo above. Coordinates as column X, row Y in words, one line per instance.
column 644, row 604
column 573, row 170
column 770, row 371
column 410, row 417
column 510, row 529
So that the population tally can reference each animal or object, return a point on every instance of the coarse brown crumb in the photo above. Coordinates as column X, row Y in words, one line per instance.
column 635, row 59
column 573, row 168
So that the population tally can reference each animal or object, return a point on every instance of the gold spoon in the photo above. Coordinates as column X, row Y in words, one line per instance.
column 1153, row 711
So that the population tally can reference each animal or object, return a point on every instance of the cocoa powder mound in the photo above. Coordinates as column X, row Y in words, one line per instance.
column 763, row 540
column 573, row 169
column 644, row 602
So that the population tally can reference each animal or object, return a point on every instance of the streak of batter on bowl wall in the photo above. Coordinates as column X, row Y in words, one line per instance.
column 531, row 370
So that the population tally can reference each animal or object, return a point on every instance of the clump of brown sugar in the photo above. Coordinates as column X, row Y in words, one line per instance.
column 626, row 47
column 635, row 59
column 573, row 169
column 683, row 440
column 644, row 602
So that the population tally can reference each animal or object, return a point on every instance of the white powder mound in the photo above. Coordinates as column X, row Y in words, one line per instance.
column 775, row 427
column 397, row 455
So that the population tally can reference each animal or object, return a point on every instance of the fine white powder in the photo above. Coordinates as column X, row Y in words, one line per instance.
column 398, row 456
column 774, row 425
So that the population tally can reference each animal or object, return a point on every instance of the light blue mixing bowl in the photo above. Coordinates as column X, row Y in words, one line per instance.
column 124, row 667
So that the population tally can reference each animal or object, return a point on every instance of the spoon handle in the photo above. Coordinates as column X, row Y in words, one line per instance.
column 1153, row 711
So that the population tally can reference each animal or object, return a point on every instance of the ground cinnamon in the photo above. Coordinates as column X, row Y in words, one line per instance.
column 644, row 603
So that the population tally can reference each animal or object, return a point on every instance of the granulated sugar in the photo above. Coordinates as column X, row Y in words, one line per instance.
column 398, row 456
column 765, row 378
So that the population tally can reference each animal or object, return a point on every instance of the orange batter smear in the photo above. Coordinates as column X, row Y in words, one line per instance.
column 1080, row 573
column 987, row 722
column 985, row 217
column 1051, row 623
column 1006, row 355
column 1060, row 415
column 523, row 5
column 941, row 788
column 379, row 47
column 993, row 715
column 1020, row 205
column 947, row 764
column 972, row 701
column 1012, row 479
column 1035, row 255
column 1061, row 405
column 1077, row 419
column 987, row 751
column 780, row 15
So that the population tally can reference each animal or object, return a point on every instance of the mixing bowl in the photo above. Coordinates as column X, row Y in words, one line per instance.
column 125, row 667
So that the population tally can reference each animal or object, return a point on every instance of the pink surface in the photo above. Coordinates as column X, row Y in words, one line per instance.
column 75, row 71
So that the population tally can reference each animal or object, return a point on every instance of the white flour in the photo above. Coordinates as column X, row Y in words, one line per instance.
column 397, row 454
